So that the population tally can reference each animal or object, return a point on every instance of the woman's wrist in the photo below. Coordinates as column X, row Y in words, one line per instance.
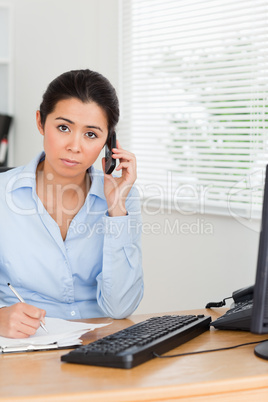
column 117, row 210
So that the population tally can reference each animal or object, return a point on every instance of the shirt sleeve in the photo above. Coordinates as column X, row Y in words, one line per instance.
column 120, row 284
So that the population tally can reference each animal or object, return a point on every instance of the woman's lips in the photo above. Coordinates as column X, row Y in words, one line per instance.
column 70, row 162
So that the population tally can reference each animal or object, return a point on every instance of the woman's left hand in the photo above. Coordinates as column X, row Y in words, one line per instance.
column 116, row 189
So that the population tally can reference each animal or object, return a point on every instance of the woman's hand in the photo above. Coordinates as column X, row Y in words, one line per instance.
column 20, row 320
column 116, row 189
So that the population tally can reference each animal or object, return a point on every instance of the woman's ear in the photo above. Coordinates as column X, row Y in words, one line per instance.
column 38, row 122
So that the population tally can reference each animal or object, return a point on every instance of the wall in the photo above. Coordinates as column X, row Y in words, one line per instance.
column 185, row 266
column 191, row 260
column 51, row 37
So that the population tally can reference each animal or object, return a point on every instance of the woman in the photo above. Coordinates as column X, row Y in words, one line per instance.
column 70, row 242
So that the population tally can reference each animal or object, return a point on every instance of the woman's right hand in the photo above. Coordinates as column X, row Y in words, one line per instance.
column 20, row 320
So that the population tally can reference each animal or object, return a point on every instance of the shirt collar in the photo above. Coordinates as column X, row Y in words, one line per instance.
column 96, row 182
column 26, row 177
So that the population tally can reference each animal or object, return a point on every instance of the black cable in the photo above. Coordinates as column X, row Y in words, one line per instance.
column 218, row 304
column 209, row 350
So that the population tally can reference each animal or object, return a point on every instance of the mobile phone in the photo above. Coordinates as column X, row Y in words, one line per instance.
column 110, row 163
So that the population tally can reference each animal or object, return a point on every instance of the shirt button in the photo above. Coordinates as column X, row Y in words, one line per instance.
column 72, row 313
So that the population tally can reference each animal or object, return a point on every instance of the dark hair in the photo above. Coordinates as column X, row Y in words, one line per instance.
column 87, row 86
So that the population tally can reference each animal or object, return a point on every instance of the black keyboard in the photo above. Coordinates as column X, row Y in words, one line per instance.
column 237, row 318
column 137, row 344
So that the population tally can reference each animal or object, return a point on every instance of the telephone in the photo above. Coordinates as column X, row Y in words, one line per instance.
column 238, row 317
column 240, row 295
column 110, row 163
column 244, row 294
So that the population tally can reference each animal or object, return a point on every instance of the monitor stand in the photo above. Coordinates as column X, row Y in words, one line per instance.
column 261, row 350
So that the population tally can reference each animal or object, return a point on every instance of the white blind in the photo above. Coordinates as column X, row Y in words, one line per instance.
column 194, row 101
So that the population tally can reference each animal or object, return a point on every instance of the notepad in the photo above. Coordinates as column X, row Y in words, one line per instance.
column 61, row 334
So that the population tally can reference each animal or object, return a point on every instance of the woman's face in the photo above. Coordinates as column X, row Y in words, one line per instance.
column 74, row 135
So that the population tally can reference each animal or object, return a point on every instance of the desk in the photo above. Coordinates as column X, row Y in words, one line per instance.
column 234, row 375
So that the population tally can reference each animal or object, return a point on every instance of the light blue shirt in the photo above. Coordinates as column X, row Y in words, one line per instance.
column 96, row 271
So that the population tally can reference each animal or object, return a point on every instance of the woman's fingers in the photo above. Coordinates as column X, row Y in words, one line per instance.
column 20, row 320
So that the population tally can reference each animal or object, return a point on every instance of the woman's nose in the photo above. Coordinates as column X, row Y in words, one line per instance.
column 74, row 143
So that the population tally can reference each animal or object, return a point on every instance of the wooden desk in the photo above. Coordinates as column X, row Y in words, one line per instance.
column 234, row 375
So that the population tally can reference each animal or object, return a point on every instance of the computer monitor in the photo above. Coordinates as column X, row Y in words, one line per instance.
column 259, row 319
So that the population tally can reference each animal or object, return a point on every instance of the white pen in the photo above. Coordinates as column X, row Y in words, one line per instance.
column 21, row 300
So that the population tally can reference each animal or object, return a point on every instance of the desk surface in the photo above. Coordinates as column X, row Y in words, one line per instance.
column 219, row 376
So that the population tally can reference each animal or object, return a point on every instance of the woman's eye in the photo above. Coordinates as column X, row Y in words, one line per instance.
column 91, row 135
column 63, row 128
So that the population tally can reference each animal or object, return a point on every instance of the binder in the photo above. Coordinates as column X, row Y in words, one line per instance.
column 61, row 334
column 5, row 123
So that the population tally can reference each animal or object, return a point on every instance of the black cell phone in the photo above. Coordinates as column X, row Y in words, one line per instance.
column 110, row 163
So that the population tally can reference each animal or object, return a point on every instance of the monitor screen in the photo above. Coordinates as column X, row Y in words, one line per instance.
column 259, row 319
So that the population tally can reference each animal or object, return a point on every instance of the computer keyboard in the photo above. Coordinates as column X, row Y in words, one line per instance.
column 136, row 344
column 237, row 318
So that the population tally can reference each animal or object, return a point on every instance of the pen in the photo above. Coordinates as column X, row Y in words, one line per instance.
column 21, row 300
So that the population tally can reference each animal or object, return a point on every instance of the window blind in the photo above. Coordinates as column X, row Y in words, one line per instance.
column 194, row 102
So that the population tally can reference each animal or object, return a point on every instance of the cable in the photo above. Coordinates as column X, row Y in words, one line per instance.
column 209, row 350
column 218, row 304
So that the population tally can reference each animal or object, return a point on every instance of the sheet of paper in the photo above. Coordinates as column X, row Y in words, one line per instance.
column 63, row 332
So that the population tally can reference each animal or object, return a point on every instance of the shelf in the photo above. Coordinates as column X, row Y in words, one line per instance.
column 6, row 66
